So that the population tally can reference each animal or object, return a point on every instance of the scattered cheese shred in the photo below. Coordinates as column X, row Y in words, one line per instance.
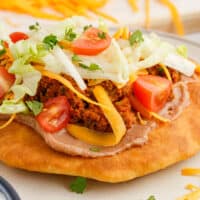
column 142, row 121
column 166, row 72
column 133, row 5
column 118, row 33
column 125, row 35
column 147, row 11
column 67, row 84
column 191, row 187
column 12, row 117
column 122, row 33
column 158, row 117
column 194, row 195
column 175, row 16
column 114, row 118
column 106, row 16
column 190, row 171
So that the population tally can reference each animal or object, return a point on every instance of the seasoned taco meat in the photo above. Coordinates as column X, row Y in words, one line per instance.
column 81, row 112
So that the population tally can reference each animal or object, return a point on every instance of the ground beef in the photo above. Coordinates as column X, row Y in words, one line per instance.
column 6, row 59
column 81, row 112
column 157, row 70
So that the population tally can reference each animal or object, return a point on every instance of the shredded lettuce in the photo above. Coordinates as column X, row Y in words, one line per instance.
column 182, row 51
column 11, row 106
column 29, row 79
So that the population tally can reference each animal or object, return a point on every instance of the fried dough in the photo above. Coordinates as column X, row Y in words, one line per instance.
column 23, row 148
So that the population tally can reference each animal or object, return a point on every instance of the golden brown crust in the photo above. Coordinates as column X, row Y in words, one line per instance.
column 21, row 147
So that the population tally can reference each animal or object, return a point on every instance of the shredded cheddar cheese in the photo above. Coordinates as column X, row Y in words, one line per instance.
column 166, row 72
column 8, row 122
column 61, row 9
column 195, row 191
column 190, row 171
column 175, row 16
column 133, row 5
column 142, row 121
column 193, row 195
column 191, row 187
column 158, row 117
column 122, row 33
column 106, row 16
column 68, row 84
column 147, row 12
column 113, row 117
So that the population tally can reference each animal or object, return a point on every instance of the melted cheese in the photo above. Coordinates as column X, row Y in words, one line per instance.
column 114, row 118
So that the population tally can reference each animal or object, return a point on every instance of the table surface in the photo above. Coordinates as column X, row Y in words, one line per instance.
column 28, row 184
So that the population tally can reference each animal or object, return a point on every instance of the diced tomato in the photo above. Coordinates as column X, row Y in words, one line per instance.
column 152, row 91
column 92, row 42
column 6, row 81
column 17, row 36
column 5, row 44
column 137, row 105
column 55, row 114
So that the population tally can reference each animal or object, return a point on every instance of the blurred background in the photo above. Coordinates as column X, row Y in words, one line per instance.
column 176, row 16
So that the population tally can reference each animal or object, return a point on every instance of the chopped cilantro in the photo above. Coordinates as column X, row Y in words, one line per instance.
column 75, row 58
column 86, row 27
column 35, row 26
column 78, row 185
column 151, row 198
column 182, row 50
column 35, row 106
column 95, row 149
column 91, row 67
column 102, row 35
column 50, row 41
column 69, row 34
column 136, row 37
column 2, row 48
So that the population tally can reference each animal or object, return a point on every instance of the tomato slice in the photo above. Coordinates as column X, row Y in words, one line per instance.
column 17, row 36
column 6, row 81
column 152, row 91
column 55, row 114
column 92, row 42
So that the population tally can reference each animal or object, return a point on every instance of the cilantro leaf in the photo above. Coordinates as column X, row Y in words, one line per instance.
column 69, row 34
column 35, row 26
column 86, row 27
column 151, row 198
column 95, row 149
column 78, row 185
column 102, row 35
column 50, row 41
column 91, row 67
column 182, row 50
column 136, row 37
column 2, row 48
column 75, row 58
column 35, row 106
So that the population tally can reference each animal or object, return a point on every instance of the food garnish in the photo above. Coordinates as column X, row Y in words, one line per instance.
column 151, row 198
column 78, row 185
column 35, row 106
column 70, row 35
column 136, row 37
column 34, row 27
column 50, row 41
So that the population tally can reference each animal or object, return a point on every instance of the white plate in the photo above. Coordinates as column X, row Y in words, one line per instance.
column 167, row 184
